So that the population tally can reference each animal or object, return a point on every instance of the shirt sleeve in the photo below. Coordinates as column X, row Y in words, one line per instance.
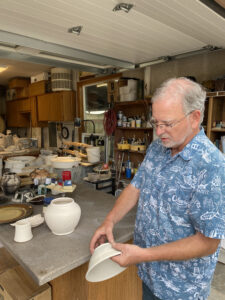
column 207, row 206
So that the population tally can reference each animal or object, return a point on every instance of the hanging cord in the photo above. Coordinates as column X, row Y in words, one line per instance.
column 109, row 121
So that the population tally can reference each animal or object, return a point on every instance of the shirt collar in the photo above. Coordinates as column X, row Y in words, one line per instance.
column 188, row 152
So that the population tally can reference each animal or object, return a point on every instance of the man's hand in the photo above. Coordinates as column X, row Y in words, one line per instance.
column 130, row 254
column 102, row 235
column 125, row 202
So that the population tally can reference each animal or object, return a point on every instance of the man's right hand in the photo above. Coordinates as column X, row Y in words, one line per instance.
column 103, row 234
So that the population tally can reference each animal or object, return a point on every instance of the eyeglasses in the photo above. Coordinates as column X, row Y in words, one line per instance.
column 167, row 125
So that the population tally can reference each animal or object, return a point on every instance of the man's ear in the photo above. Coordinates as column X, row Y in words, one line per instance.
column 195, row 118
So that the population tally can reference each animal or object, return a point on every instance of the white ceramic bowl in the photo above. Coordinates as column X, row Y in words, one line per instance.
column 48, row 158
column 101, row 267
column 65, row 162
column 17, row 163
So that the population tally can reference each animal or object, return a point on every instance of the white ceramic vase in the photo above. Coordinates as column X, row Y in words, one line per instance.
column 62, row 215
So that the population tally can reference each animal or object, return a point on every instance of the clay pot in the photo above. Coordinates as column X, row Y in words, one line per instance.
column 10, row 183
column 62, row 215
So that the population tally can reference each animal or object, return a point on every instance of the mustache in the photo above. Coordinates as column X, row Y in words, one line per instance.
column 164, row 136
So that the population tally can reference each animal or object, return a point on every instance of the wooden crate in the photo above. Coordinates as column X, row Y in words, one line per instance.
column 38, row 88
column 16, row 284
column 18, row 83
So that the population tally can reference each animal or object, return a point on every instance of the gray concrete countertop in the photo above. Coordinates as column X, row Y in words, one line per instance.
column 47, row 256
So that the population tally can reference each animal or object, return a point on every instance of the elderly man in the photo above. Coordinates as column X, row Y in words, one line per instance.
column 180, row 190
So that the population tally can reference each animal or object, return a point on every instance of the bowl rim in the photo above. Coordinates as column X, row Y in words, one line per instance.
column 68, row 199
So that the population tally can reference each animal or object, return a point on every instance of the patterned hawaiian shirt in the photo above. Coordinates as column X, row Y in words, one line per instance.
column 180, row 195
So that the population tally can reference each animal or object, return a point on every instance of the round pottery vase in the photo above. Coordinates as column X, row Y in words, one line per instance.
column 10, row 183
column 62, row 215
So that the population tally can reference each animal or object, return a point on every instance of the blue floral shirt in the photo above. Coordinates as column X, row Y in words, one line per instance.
column 180, row 195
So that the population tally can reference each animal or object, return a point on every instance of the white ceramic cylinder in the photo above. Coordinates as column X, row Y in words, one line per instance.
column 93, row 154
column 23, row 231
column 62, row 215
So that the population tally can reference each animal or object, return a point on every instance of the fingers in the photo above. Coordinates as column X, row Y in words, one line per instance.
column 102, row 235
column 94, row 241
column 101, row 240
column 117, row 246
column 110, row 237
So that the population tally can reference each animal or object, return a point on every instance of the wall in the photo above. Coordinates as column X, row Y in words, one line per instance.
column 202, row 67
column 137, row 73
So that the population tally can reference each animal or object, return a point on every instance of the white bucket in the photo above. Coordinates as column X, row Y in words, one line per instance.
column 93, row 154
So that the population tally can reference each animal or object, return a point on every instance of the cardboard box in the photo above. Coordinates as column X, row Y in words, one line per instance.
column 16, row 284
column 18, row 83
column 39, row 77
column 38, row 88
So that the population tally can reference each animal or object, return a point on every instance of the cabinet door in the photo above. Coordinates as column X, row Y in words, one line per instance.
column 68, row 105
column 50, row 107
column 24, row 105
column 16, row 117
column 12, row 113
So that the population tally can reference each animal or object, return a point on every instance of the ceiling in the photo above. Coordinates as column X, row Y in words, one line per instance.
column 36, row 33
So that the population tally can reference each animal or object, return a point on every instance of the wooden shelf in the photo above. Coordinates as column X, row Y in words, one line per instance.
column 215, row 129
column 131, row 151
column 215, row 94
column 216, row 113
column 134, row 128
column 125, row 103
column 140, row 107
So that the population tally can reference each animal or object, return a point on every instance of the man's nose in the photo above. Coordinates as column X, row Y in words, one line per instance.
column 159, row 129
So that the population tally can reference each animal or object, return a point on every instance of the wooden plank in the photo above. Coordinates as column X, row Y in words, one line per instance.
column 6, row 260
column 17, row 284
column 73, row 286
column 209, row 121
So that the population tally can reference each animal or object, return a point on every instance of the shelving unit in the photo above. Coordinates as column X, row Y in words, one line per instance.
column 216, row 113
column 132, row 108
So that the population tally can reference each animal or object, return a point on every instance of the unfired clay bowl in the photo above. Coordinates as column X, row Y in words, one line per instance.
column 101, row 267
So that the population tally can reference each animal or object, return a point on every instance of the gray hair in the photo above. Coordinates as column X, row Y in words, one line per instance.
column 193, row 94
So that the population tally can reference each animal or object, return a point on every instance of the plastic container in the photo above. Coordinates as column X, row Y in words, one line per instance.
column 93, row 154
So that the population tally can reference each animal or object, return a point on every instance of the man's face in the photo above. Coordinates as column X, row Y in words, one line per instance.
column 173, row 127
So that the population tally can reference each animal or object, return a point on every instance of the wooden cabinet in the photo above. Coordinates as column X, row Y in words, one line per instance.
column 21, row 113
column 36, row 111
column 131, row 109
column 58, row 106
column 216, row 114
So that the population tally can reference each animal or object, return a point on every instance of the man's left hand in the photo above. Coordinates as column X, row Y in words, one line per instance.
column 130, row 254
